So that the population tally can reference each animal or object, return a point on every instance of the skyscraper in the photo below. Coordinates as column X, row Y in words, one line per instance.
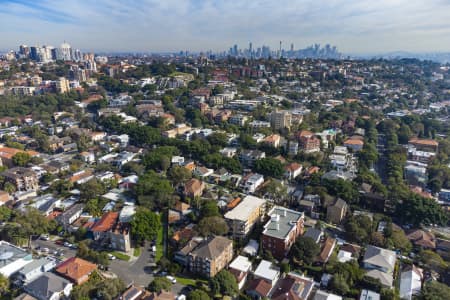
column 65, row 52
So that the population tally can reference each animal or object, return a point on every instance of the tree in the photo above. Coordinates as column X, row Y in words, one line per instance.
column 198, row 295
column 21, row 159
column 433, row 260
column 145, row 225
column 339, row 284
column 159, row 284
column 212, row 226
column 304, row 250
column 4, row 285
column 179, row 175
column 434, row 290
column 275, row 190
column 5, row 213
column 94, row 188
column 224, row 283
column 9, row 187
column 210, row 209
column 153, row 191
column 109, row 289
column 269, row 167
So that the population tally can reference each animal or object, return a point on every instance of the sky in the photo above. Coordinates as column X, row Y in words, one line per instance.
column 354, row 26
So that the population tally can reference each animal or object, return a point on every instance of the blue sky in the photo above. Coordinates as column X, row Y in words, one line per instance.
column 355, row 26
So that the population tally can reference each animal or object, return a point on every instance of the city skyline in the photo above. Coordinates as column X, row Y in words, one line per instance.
column 355, row 27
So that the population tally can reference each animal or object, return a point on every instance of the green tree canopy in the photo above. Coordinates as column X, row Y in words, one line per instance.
column 304, row 250
column 269, row 167
column 198, row 295
column 160, row 284
column 224, row 283
column 145, row 225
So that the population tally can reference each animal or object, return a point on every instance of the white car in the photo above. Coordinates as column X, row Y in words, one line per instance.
column 111, row 257
column 171, row 279
column 45, row 237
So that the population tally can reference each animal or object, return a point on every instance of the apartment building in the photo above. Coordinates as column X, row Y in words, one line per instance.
column 245, row 215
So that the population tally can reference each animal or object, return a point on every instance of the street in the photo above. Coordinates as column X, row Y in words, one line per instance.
column 138, row 271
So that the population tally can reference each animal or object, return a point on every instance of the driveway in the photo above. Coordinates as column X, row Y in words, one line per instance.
column 67, row 252
column 137, row 272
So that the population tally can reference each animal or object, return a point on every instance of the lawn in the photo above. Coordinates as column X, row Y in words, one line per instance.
column 189, row 281
column 137, row 252
column 186, row 281
column 159, row 245
column 121, row 256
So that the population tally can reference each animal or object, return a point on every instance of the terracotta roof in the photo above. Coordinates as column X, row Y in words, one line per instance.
column 293, row 167
column 425, row 142
column 107, row 222
column 305, row 133
column 353, row 142
column 234, row 203
column 8, row 152
column 260, row 286
column 183, row 234
column 75, row 268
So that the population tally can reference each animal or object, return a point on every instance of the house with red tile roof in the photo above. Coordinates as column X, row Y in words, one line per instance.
column 76, row 269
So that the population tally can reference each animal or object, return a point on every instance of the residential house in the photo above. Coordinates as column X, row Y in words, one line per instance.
column 211, row 257
column 163, row 295
column 354, row 144
column 326, row 250
column 248, row 157
column 132, row 293
column 322, row 295
column 293, row 286
column 245, row 216
column 36, row 268
column 282, row 230
column 203, row 172
column 309, row 143
column 273, row 140
column 369, row 295
column 424, row 144
column 76, row 270
column 194, row 188
column 422, row 239
column 337, row 211
column 268, row 272
column 240, row 267
column 251, row 182
column 410, row 282
column 380, row 264
column 293, row 170
column 23, row 179
column 4, row 197
column 49, row 287
column 258, row 289
column 70, row 215
column 109, row 231
column 13, row 258
column 315, row 234
column 7, row 154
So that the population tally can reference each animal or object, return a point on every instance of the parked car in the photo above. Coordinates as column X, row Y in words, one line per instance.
column 111, row 257
column 45, row 250
column 45, row 237
column 171, row 278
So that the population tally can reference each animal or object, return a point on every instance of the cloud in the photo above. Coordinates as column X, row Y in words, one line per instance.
column 153, row 25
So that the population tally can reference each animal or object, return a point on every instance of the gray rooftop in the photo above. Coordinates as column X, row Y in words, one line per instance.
column 10, row 253
column 282, row 221
column 380, row 257
column 46, row 285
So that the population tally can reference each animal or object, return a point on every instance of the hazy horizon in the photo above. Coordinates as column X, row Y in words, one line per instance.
column 355, row 27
